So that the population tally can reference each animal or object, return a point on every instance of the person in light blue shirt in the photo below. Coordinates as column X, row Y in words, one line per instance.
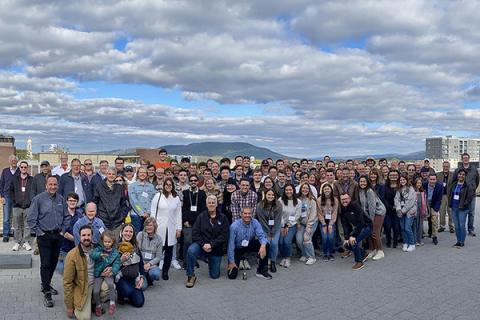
column 89, row 218
column 247, row 235
column 140, row 194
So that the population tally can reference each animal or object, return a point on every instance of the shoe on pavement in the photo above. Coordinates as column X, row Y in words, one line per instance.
column 358, row 266
column 176, row 265
column 405, row 247
column 302, row 259
column 273, row 267
column 371, row 254
column 380, row 255
column 452, row 230
column 346, row 254
column 98, row 311
column 310, row 261
column 16, row 246
column 47, row 300
column 5, row 239
column 325, row 258
column 111, row 309
column 472, row 234
column 282, row 262
column 264, row 275
column 53, row 291
column 331, row 257
column 288, row 263
column 191, row 281
column 411, row 248
column 441, row 229
column 27, row 246
column 457, row 245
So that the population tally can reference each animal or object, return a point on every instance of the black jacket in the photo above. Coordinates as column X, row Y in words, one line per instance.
column 355, row 216
column 111, row 206
column 21, row 199
column 213, row 232
column 189, row 199
column 466, row 195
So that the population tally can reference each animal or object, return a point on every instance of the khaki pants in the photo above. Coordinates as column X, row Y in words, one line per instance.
column 444, row 210
column 434, row 216
column 86, row 312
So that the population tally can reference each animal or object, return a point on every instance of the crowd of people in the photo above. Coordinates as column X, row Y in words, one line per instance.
column 113, row 232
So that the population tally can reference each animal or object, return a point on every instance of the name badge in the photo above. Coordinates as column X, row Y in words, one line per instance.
column 193, row 208
column 328, row 216
column 444, row 184
column 456, row 197
column 23, row 189
column 148, row 255
column 76, row 190
column 291, row 218
column 144, row 194
column 244, row 243
column 271, row 222
column 101, row 230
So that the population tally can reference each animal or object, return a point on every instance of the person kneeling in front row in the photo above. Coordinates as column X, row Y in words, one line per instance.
column 209, row 235
column 246, row 235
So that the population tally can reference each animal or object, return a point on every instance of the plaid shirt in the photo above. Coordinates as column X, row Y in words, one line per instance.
column 240, row 201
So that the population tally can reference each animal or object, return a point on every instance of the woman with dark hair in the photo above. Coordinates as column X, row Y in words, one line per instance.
column 132, row 275
column 267, row 184
column 327, row 209
column 422, row 212
column 151, row 174
column 291, row 210
column 308, row 224
column 230, row 187
column 167, row 210
column 406, row 207
column 269, row 214
column 391, row 222
column 375, row 209
column 376, row 183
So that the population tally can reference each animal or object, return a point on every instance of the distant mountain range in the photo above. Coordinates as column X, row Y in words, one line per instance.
column 223, row 149
column 231, row 149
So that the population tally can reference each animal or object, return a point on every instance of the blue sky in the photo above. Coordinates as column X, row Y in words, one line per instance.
column 303, row 78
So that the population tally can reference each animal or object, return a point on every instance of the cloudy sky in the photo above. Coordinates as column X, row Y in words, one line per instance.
column 304, row 78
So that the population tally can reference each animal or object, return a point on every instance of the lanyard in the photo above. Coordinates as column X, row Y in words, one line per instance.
column 190, row 195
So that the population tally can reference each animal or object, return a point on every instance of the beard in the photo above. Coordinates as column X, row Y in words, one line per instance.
column 86, row 243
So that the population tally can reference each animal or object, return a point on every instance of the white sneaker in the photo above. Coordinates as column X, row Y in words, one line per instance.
column 371, row 254
column 287, row 263
column 380, row 255
column 160, row 265
column 310, row 261
column 27, row 246
column 16, row 246
column 176, row 265
column 405, row 247
column 282, row 262
column 246, row 264
column 302, row 259
column 411, row 248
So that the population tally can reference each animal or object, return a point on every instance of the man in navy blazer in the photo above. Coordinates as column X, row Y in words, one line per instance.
column 75, row 181
column 434, row 191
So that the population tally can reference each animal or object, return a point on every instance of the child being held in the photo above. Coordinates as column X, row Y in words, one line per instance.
column 105, row 256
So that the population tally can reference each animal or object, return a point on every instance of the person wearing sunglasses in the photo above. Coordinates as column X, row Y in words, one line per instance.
column 89, row 169
column 194, row 202
column 21, row 193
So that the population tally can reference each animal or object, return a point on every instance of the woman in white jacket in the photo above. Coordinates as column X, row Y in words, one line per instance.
column 167, row 210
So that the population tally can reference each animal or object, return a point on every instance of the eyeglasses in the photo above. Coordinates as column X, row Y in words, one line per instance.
column 23, row 167
column 193, row 180
column 88, row 164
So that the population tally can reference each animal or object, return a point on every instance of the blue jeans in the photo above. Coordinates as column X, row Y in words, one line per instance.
column 357, row 249
column 418, row 229
column 194, row 252
column 459, row 220
column 328, row 240
column 285, row 242
column 7, row 214
column 126, row 289
column 471, row 215
column 152, row 275
column 273, row 253
column 306, row 246
column 406, row 223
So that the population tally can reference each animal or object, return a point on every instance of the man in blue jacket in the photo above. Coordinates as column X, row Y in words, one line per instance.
column 434, row 191
column 77, row 182
column 6, row 179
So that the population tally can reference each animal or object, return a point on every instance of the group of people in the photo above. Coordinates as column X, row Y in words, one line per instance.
column 114, row 232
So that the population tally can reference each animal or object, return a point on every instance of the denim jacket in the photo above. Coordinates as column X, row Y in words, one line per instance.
column 140, row 196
